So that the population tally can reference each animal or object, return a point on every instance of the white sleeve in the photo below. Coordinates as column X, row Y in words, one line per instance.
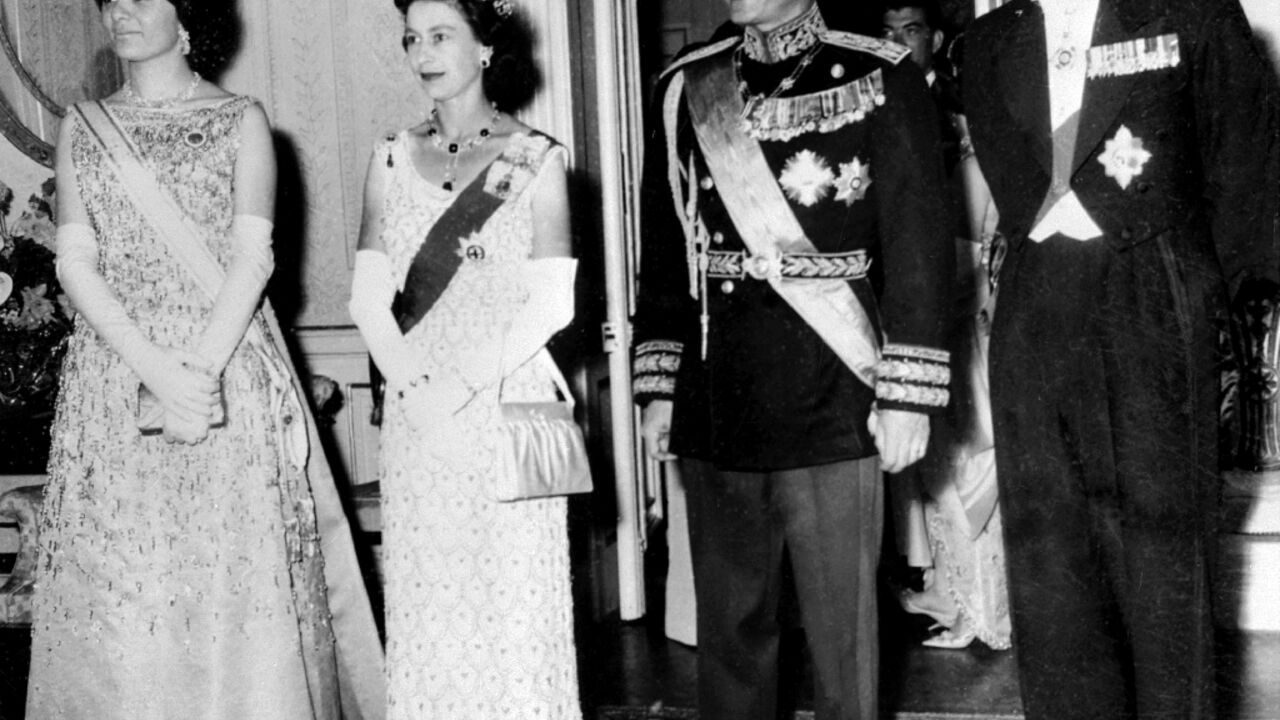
column 251, row 265
column 550, row 308
column 77, row 269
column 373, row 286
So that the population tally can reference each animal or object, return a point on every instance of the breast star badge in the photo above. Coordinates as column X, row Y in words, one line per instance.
column 806, row 178
column 1123, row 157
column 854, row 179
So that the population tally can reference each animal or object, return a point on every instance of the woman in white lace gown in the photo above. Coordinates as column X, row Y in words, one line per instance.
column 465, row 216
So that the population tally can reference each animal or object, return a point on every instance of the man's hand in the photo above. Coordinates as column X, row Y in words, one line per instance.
column 901, row 437
column 655, row 427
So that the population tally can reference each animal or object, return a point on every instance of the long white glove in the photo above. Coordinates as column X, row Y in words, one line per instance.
column 373, row 286
column 548, row 310
column 167, row 372
column 251, row 265
column 550, row 307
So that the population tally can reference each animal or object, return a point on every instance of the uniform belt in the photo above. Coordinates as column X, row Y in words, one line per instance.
column 817, row 266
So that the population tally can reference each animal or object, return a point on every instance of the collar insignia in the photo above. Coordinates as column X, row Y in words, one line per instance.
column 786, row 41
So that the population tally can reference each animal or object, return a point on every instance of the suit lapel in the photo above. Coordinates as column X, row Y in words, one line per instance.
column 1104, row 97
column 1023, row 78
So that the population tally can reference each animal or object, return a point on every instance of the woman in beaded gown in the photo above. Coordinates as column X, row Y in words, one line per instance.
column 194, row 558
column 465, row 215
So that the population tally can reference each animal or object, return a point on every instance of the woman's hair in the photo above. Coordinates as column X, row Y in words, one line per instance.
column 512, row 77
column 214, row 27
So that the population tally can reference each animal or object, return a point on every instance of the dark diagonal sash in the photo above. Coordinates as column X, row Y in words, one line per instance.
column 438, row 258
column 764, row 219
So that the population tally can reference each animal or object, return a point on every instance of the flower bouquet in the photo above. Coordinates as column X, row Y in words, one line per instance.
column 35, row 319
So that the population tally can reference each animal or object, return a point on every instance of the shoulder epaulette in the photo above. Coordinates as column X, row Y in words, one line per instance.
column 883, row 49
column 700, row 53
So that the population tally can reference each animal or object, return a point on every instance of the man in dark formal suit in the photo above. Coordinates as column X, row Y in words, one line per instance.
column 795, row 274
column 1132, row 150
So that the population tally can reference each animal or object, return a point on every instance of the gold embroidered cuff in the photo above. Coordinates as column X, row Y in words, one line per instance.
column 654, row 370
column 911, row 377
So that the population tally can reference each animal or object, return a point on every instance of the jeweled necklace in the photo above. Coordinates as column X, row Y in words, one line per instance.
column 754, row 100
column 131, row 94
column 455, row 148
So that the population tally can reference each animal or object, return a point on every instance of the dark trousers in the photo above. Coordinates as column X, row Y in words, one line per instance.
column 828, row 520
column 1104, row 402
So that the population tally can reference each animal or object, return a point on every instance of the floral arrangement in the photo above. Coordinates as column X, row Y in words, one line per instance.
column 35, row 317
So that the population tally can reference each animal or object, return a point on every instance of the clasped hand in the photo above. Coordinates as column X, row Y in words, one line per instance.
column 430, row 402
column 189, row 391
column 655, row 427
column 901, row 437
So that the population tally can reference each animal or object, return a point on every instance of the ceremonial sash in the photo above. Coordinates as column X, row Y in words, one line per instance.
column 438, row 258
column 764, row 219
column 359, row 657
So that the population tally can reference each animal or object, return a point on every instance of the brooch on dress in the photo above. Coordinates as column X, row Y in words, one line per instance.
column 195, row 139
column 469, row 248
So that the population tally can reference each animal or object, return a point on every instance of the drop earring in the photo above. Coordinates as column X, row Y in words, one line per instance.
column 184, row 40
column 484, row 59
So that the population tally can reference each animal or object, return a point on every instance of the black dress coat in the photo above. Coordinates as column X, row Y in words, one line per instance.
column 1103, row 353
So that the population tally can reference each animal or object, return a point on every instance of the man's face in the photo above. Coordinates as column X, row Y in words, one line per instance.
column 910, row 26
column 765, row 15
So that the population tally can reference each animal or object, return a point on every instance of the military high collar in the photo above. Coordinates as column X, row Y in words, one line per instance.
column 785, row 41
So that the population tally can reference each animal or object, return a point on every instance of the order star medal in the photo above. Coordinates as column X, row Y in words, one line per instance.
column 1123, row 157
column 806, row 178
column 855, row 178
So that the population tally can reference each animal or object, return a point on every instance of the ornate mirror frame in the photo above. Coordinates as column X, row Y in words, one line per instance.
column 29, row 108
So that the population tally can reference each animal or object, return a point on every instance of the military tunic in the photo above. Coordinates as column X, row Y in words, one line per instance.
column 850, row 134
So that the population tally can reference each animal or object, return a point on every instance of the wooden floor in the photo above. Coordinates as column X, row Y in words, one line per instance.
column 630, row 671
column 628, row 668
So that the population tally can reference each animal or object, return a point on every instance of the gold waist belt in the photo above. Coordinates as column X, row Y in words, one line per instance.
column 817, row 266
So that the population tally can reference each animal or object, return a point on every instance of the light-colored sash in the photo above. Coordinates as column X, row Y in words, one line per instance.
column 764, row 219
column 359, row 652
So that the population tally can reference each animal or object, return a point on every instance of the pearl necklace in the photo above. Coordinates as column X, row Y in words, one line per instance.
column 459, row 146
column 131, row 94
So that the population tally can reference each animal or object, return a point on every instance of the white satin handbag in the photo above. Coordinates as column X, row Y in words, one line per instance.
column 541, row 452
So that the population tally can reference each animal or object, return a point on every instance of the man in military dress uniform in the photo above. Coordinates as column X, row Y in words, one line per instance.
column 795, row 271
column 1131, row 147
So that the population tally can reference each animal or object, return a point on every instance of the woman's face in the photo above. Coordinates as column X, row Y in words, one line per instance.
column 441, row 48
column 141, row 29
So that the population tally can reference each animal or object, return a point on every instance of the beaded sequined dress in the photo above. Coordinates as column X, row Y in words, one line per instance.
column 479, row 612
column 174, row 581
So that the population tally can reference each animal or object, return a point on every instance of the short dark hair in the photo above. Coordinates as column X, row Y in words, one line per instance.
column 214, row 28
column 512, row 78
column 931, row 8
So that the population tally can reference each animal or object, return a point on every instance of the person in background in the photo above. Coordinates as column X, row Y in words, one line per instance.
column 790, row 229
column 1133, row 150
column 194, row 557
column 462, row 275
column 947, row 504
